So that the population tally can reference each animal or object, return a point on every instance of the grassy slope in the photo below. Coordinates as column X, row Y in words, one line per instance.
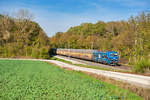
column 40, row 80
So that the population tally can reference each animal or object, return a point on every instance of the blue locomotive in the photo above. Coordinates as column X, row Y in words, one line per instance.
column 109, row 57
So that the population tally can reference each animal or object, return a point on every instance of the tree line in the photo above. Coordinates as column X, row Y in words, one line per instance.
column 130, row 38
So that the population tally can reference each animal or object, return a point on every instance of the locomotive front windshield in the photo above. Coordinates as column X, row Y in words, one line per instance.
column 114, row 54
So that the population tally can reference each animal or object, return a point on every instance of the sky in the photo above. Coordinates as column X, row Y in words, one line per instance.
column 59, row 15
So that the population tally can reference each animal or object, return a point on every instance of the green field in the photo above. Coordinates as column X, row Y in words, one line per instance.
column 28, row 80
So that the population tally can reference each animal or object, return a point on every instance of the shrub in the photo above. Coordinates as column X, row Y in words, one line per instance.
column 44, row 53
column 35, row 53
column 53, row 58
column 141, row 66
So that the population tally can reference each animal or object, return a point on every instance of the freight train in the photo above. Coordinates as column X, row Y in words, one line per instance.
column 108, row 57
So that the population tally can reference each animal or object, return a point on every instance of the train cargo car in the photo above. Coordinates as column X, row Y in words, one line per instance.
column 78, row 53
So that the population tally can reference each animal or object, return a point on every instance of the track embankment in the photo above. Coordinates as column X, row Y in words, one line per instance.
column 85, row 62
column 139, row 80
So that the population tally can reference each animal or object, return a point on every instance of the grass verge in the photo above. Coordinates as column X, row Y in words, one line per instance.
column 89, row 66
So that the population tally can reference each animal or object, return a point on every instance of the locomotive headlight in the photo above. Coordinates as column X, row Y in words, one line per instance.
column 99, row 56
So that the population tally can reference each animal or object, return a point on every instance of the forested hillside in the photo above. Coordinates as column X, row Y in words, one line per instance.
column 130, row 38
column 22, row 37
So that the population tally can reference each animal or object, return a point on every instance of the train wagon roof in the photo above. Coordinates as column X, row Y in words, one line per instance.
column 78, row 50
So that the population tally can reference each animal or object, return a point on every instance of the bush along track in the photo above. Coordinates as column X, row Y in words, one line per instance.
column 142, row 66
column 39, row 80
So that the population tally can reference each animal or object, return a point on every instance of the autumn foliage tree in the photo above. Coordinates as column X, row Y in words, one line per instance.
column 130, row 38
column 20, row 36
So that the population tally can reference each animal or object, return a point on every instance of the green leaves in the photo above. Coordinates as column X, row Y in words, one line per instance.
column 28, row 80
column 141, row 66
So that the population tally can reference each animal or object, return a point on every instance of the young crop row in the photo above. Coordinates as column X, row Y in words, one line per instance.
column 25, row 80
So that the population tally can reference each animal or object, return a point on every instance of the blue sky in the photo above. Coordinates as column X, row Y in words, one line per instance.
column 59, row 15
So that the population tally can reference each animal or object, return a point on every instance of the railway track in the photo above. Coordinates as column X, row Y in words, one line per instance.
column 80, row 61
